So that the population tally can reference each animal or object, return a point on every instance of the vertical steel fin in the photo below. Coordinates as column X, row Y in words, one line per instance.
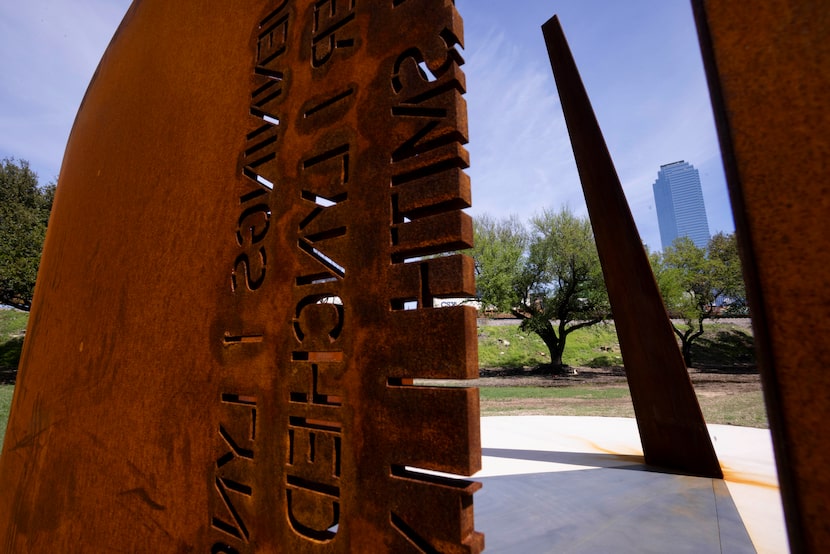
column 671, row 425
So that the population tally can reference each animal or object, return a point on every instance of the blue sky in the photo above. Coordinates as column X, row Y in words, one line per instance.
column 639, row 61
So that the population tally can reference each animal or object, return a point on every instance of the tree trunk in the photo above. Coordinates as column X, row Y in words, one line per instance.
column 686, row 349
column 555, row 344
column 556, row 355
column 687, row 339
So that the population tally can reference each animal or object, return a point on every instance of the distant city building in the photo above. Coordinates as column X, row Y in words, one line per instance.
column 679, row 200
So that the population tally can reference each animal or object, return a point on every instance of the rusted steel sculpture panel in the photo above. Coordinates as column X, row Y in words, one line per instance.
column 767, row 65
column 233, row 301
column 672, row 430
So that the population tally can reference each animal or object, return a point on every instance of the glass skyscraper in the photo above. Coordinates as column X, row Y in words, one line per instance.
column 679, row 200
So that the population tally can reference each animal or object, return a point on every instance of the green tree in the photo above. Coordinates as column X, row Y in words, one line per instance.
column 726, row 268
column 692, row 279
column 547, row 275
column 24, row 215
column 499, row 254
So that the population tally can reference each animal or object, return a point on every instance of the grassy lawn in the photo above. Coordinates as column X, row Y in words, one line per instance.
column 5, row 405
column 725, row 345
column 12, row 327
column 506, row 394
column 508, row 347
column 505, row 346
column 12, row 322
column 745, row 409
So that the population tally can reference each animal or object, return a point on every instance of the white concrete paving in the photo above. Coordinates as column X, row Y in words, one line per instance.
column 579, row 484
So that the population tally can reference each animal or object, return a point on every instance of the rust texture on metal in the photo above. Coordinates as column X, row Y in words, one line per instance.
column 672, row 430
column 767, row 65
column 236, row 296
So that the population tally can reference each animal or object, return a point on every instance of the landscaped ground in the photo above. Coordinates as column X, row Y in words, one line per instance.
column 511, row 383
column 6, row 392
column 726, row 396
column 724, row 374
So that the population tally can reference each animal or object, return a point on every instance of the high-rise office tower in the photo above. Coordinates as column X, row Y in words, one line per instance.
column 679, row 200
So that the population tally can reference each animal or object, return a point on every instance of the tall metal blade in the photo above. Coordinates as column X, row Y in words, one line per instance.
column 218, row 357
column 671, row 425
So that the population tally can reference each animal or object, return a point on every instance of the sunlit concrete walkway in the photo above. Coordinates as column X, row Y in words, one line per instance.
column 579, row 484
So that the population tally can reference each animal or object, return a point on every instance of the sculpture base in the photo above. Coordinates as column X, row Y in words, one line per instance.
column 579, row 484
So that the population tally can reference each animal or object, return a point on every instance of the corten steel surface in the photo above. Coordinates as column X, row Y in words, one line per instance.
column 672, row 429
column 219, row 358
column 767, row 65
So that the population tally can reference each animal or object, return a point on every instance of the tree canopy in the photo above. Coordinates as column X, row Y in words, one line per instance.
column 546, row 274
column 698, row 284
column 24, row 215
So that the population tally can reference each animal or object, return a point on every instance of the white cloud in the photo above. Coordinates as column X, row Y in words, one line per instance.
column 641, row 67
column 51, row 49
column 638, row 59
column 520, row 154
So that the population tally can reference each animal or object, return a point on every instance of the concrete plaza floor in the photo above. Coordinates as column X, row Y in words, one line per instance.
column 579, row 485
